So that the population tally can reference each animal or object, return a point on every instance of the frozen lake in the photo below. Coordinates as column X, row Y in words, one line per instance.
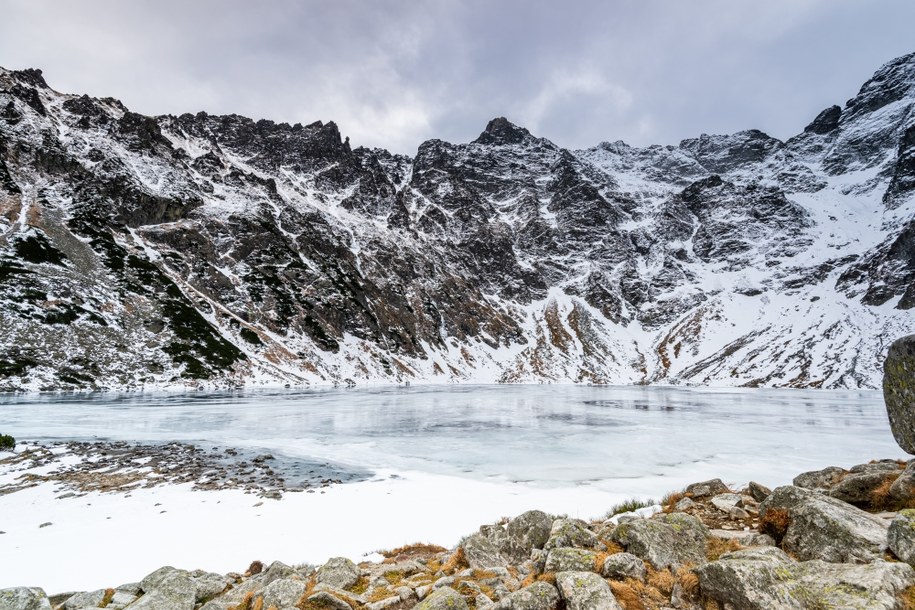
column 428, row 463
column 636, row 440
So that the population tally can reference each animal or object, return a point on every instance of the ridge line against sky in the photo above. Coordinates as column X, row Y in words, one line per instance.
column 394, row 74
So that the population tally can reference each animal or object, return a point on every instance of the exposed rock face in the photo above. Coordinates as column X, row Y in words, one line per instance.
column 765, row 578
column 671, row 541
column 338, row 572
column 899, row 391
column 445, row 598
column 586, row 591
column 24, row 598
column 901, row 536
column 200, row 249
column 821, row 527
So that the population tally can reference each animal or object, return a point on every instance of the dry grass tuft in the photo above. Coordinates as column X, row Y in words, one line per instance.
column 106, row 599
column 627, row 595
column 549, row 577
column 669, row 501
column 907, row 598
column 456, row 562
column 711, row 604
column 880, row 497
column 245, row 603
column 662, row 580
column 689, row 582
column 716, row 547
column 775, row 523
column 417, row 550
column 529, row 580
column 361, row 585
column 256, row 567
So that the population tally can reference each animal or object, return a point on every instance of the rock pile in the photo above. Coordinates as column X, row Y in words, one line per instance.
column 828, row 541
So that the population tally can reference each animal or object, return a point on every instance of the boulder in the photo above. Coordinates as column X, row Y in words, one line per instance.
column 167, row 587
column 538, row 596
column 725, row 502
column 899, row 391
column 668, row 542
column 208, row 585
column 624, row 565
column 885, row 465
column 901, row 536
column 24, row 598
column 445, row 598
column 332, row 602
column 283, row 592
column 764, row 578
column 570, row 560
column 706, row 488
column 525, row 533
column 480, row 552
column 859, row 487
column 275, row 571
column 87, row 599
column 903, row 488
column 338, row 572
column 758, row 491
column 571, row 533
column 820, row 479
column 585, row 591
column 821, row 527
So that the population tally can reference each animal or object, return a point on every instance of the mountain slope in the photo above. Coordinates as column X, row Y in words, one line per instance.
column 153, row 251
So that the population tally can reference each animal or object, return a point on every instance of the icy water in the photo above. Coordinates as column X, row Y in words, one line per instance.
column 634, row 440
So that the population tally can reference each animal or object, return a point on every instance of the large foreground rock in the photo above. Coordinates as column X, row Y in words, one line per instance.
column 538, row 596
column 821, row 527
column 24, row 598
column 667, row 542
column 901, row 536
column 899, row 391
column 167, row 588
column 765, row 578
column 571, row 533
column 586, row 591
column 526, row 532
column 338, row 572
column 445, row 598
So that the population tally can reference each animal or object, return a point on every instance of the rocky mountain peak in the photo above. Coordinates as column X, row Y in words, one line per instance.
column 826, row 121
column 502, row 131
column 30, row 76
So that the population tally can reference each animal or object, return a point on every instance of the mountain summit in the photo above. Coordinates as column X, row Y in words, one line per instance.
column 142, row 251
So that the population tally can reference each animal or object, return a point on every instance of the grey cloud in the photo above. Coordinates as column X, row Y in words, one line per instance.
column 394, row 73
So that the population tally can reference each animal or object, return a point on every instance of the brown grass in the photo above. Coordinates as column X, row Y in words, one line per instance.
column 361, row 585
column 907, row 598
column 689, row 582
column 716, row 547
column 256, row 567
column 245, row 603
column 456, row 562
column 775, row 523
column 626, row 594
column 711, row 604
column 669, row 501
column 417, row 550
column 106, row 599
column 258, row 604
column 880, row 497
column 549, row 577
column 662, row 580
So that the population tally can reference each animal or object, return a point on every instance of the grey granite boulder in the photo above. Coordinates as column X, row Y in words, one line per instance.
column 444, row 598
column 821, row 527
column 903, row 488
column 704, row 489
column 86, row 599
column 283, row 592
column 525, row 533
column 538, row 596
column 169, row 588
column 570, row 533
column 338, row 572
column 859, row 487
column 585, row 591
column 666, row 542
column 820, row 479
column 332, row 602
column 624, row 565
column 570, row 560
column 764, row 578
column 899, row 391
column 24, row 598
column 758, row 491
column 481, row 552
column 901, row 536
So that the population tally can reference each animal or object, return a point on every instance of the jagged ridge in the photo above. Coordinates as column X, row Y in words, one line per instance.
column 207, row 249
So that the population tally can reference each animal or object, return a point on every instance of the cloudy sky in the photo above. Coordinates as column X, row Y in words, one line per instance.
column 393, row 73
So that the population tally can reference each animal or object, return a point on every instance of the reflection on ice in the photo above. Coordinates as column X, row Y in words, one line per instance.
column 640, row 439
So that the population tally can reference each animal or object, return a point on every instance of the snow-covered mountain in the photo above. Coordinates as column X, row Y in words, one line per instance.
column 201, row 249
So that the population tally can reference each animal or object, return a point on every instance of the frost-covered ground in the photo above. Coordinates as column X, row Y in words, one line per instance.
column 444, row 461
